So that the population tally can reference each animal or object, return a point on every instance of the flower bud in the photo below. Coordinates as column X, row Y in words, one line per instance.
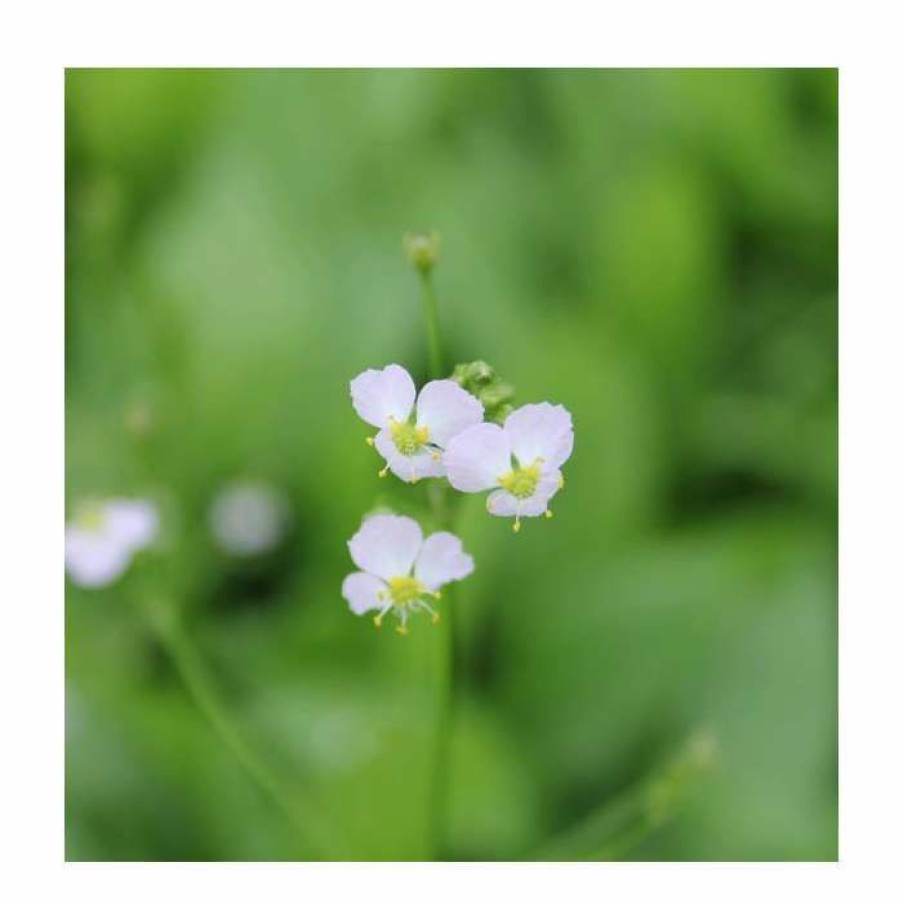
column 422, row 250
column 473, row 375
column 478, row 378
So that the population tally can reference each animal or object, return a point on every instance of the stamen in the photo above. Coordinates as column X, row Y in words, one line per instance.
column 516, row 527
column 548, row 514
column 561, row 481
column 436, row 456
column 369, row 440
column 384, row 471
column 427, row 607
column 401, row 630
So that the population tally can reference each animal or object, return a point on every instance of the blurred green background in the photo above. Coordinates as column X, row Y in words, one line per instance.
column 657, row 251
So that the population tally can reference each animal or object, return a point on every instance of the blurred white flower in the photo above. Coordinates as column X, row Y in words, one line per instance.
column 399, row 568
column 519, row 460
column 103, row 536
column 412, row 437
column 249, row 518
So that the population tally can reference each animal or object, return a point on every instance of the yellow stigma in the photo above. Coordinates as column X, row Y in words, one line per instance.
column 521, row 482
column 405, row 590
column 408, row 438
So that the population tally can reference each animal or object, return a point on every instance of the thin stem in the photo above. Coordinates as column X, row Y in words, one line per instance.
column 619, row 824
column 440, row 783
column 200, row 686
column 431, row 309
column 439, row 792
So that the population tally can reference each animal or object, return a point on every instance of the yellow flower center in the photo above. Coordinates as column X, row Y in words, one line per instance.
column 90, row 516
column 408, row 437
column 521, row 482
column 405, row 590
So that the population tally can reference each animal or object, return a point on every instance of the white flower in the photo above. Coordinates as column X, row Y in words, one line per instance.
column 519, row 460
column 412, row 436
column 399, row 569
column 248, row 518
column 103, row 537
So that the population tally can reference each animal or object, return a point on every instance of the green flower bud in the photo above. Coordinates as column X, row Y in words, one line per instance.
column 422, row 250
column 473, row 375
column 478, row 378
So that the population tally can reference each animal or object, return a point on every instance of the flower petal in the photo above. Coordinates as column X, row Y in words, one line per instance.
column 409, row 468
column 379, row 395
column 132, row 522
column 362, row 592
column 503, row 504
column 446, row 409
column 441, row 560
column 94, row 559
column 476, row 458
column 386, row 545
column 541, row 431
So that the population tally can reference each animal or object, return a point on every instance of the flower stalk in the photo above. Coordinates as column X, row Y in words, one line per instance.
column 200, row 686
column 617, row 826
column 423, row 252
column 431, row 310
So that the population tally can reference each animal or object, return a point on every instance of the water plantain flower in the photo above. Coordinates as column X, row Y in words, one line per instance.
column 103, row 537
column 519, row 460
column 400, row 571
column 413, row 430
column 249, row 518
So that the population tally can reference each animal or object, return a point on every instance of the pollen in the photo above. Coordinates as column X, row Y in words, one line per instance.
column 408, row 437
column 520, row 482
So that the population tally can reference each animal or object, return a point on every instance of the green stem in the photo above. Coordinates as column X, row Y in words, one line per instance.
column 200, row 686
column 431, row 308
column 440, row 782
column 617, row 826
column 439, row 792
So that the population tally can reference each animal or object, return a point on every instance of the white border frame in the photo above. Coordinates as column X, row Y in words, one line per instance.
column 39, row 42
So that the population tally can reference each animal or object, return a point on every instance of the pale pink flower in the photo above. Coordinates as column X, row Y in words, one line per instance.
column 103, row 537
column 400, row 570
column 414, row 430
column 520, row 460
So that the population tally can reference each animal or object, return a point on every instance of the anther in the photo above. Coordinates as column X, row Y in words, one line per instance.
column 436, row 618
column 516, row 526
column 548, row 513
column 378, row 621
column 561, row 481
column 369, row 440
column 401, row 630
column 384, row 471
column 436, row 456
